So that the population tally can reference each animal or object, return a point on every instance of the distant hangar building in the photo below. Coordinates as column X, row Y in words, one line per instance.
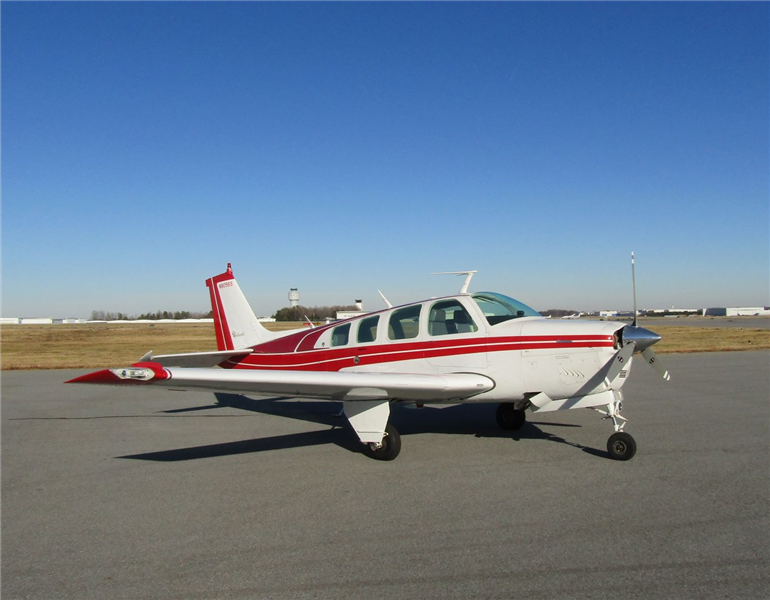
column 743, row 311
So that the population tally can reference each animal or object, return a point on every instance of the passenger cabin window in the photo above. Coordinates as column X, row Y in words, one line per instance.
column 404, row 323
column 367, row 329
column 498, row 308
column 340, row 335
column 448, row 317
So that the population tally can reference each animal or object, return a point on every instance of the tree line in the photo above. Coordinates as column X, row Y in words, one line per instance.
column 297, row 313
column 101, row 315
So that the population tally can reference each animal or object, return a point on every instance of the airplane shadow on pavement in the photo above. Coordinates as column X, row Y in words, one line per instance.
column 461, row 419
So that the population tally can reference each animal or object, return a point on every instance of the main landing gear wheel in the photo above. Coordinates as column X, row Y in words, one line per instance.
column 509, row 417
column 388, row 449
column 621, row 446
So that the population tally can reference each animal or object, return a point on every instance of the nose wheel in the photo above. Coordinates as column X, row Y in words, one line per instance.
column 621, row 446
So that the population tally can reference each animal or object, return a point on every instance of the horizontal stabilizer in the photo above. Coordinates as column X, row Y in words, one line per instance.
column 198, row 359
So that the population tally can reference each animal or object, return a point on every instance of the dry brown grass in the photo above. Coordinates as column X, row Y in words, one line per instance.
column 108, row 345
column 102, row 344
column 99, row 345
column 710, row 339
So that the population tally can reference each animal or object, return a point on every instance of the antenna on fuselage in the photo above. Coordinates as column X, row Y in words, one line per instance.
column 387, row 302
column 468, row 276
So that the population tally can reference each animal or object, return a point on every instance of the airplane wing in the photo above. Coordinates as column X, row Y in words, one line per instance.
column 325, row 385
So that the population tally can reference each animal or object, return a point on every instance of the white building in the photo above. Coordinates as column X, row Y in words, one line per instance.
column 347, row 314
column 748, row 311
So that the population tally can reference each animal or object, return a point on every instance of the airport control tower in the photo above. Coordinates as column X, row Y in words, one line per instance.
column 293, row 297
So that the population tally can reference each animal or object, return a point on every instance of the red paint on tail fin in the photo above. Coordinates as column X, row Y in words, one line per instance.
column 224, row 339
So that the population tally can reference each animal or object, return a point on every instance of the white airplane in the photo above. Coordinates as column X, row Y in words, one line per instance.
column 469, row 347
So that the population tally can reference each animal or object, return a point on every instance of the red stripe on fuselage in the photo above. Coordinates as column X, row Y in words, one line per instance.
column 334, row 359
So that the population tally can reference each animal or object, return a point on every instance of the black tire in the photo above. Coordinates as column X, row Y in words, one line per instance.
column 509, row 417
column 391, row 445
column 621, row 446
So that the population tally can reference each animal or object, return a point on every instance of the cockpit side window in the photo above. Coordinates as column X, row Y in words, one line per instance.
column 404, row 323
column 367, row 329
column 498, row 308
column 448, row 317
column 340, row 335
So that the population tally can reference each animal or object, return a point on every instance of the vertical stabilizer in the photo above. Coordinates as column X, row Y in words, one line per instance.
column 235, row 323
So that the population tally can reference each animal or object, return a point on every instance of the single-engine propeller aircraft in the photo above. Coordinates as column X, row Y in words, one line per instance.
column 469, row 347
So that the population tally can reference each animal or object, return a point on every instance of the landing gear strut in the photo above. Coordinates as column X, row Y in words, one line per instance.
column 388, row 448
column 620, row 446
column 509, row 417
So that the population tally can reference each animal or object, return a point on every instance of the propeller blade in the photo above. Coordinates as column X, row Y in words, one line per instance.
column 652, row 360
column 619, row 362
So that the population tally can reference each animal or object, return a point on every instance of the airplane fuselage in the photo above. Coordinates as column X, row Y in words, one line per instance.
column 523, row 355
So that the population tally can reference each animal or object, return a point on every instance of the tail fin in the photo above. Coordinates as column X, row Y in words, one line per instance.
column 235, row 323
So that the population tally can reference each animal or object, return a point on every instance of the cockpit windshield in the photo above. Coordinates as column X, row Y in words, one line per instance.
column 498, row 308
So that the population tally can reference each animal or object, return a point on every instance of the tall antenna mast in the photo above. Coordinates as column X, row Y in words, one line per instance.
column 633, row 283
column 466, row 283
column 387, row 302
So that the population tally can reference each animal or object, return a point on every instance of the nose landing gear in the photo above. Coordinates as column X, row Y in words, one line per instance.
column 620, row 445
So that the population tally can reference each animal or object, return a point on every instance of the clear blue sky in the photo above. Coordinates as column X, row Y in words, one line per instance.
column 341, row 148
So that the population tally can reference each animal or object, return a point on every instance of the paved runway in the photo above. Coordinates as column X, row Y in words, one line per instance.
column 150, row 494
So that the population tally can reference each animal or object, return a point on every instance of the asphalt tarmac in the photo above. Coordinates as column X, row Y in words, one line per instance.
column 151, row 494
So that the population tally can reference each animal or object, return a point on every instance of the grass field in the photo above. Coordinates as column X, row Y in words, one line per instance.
column 106, row 345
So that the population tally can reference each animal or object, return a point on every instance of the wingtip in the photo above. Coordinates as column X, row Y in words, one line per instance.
column 103, row 376
column 138, row 373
